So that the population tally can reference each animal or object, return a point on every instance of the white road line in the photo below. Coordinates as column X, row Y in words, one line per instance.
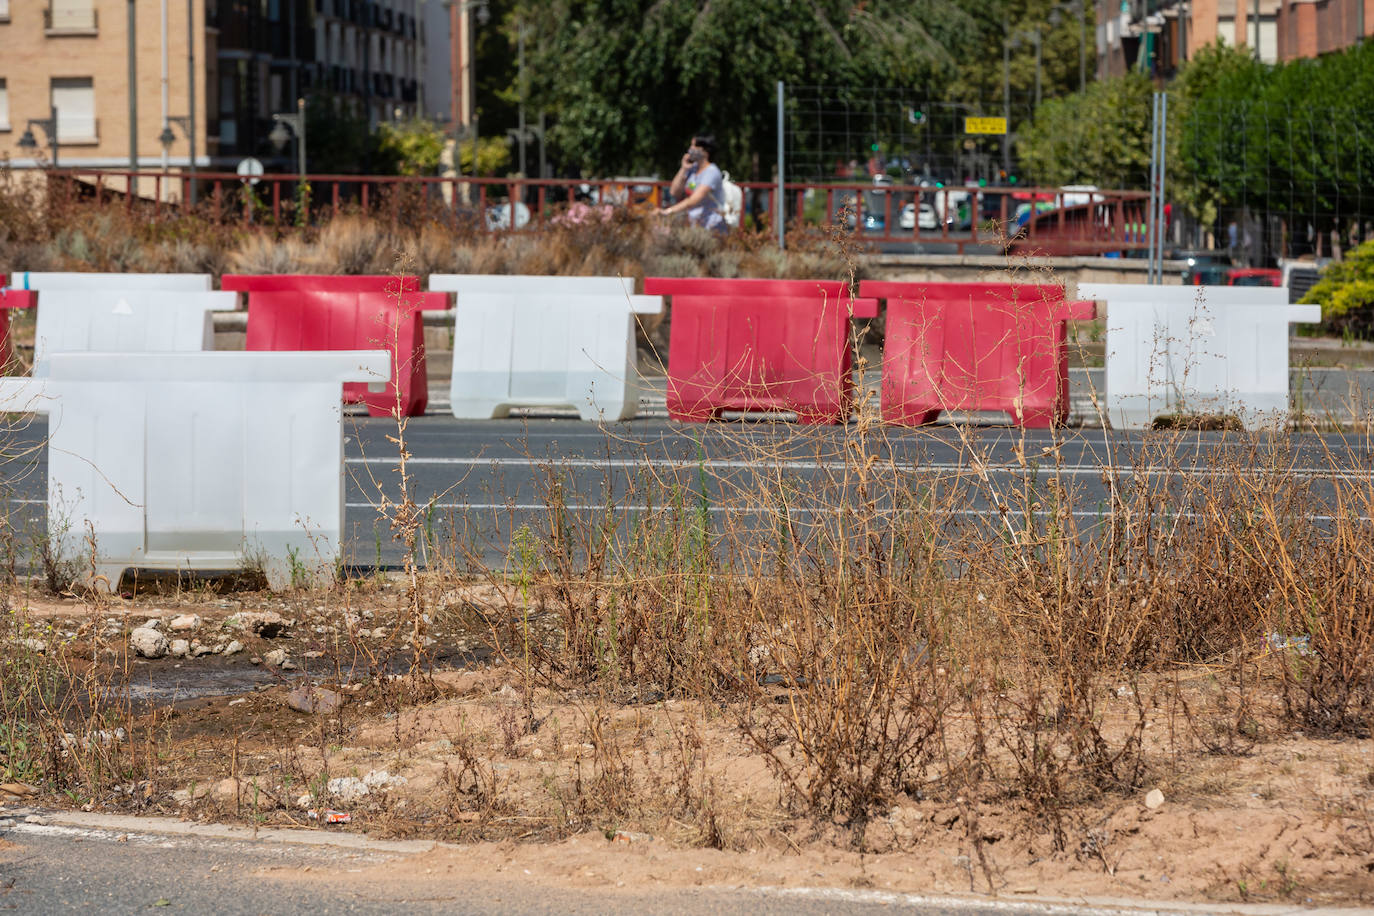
column 1046, row 470
column 689, row 508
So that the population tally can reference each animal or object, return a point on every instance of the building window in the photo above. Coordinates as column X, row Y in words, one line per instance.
column 70, row 16
column 74, row 100
column 226, row 95
column 4, row 10
column 4, row 103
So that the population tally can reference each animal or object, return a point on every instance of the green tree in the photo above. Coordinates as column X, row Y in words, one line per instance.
column 629, row 81
column 1099, row 137
column 338, row 139
column 409, row 147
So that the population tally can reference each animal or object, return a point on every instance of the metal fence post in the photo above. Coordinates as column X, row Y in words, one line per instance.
column 1163, row 169
column 781, row 192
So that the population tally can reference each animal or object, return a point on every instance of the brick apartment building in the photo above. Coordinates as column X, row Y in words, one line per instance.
column 248, row 60
column 1159, row 35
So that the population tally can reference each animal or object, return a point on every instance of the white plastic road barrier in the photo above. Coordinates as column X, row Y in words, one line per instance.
column 1188, row 295
column 42, row 281
column 547, row 350
column 126, row 321
column 196, row 461
column 1197, row 349
column 522, row 285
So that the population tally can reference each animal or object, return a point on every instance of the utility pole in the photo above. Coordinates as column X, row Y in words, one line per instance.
column 520, row 56
column 1006, row 97
column 191, row 91
column 1082, row 45
column 164, row 86
column 133, row 92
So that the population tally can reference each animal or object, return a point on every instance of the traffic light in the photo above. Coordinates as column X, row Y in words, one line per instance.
column 873, row 147
column 915, row 116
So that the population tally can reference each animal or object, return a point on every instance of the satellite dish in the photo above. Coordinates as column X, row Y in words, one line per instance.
column 249, row 170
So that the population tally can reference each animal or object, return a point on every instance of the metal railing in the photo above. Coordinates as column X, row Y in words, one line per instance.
column 1025, row 220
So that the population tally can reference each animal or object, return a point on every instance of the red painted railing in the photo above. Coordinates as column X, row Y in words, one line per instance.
column 1026, row 220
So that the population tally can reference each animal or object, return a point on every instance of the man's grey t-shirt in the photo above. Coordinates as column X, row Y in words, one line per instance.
column 707, row 214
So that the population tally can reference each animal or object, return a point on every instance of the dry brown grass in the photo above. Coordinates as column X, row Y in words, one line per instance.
column 865, row 637
column 72, row 231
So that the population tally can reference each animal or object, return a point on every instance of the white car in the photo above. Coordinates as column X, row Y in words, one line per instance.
column 927, row 219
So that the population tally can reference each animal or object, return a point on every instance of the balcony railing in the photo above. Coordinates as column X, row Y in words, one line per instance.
column 64, row 20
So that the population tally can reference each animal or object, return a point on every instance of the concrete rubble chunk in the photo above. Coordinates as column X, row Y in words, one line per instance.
column 148, row 643
column 347, row 788
column 185, row 622
column 314, row 700
column 267, row 624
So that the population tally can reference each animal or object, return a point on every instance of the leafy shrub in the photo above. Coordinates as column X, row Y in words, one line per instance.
column 1346, row 292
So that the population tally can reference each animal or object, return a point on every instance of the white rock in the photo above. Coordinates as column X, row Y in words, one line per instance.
column 199, row 648
column 148, row 642
column 33, row 644
column 185, row 622
column 275, row 659
column 234, row 648
column 347, row 788
column 180, row 648
column 1153, row 799
column 153, row 623
column 381, row 779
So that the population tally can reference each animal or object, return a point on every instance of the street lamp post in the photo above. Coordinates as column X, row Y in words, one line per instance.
column 280, row 135
column 167, row 137
column 49, row 127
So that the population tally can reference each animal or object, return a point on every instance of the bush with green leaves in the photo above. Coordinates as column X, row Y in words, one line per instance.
column 411, row 147
column 1346, row 292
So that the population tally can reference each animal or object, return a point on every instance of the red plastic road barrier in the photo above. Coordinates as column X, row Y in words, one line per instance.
column 754, row 353
column 718, row 286
column 11, row 299
column 324, row 283
column 368, row 320
column 976, row 346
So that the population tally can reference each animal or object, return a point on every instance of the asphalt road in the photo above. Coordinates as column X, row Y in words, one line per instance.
column 56, row 868
column 480, row 481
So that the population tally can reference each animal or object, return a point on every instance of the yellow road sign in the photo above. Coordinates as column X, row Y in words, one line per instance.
column 985, row 125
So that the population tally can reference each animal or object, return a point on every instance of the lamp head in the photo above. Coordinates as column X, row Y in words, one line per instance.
column 28, row 141
column 279, row 136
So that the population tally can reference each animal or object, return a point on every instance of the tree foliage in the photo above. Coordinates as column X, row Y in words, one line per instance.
column 1099, row 137
column 629, row 81
column 410, row 147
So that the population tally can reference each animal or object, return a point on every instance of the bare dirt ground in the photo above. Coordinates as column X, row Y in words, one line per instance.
column 576, row 787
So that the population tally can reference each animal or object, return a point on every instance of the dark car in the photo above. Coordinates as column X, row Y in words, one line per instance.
column 1256, row 276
